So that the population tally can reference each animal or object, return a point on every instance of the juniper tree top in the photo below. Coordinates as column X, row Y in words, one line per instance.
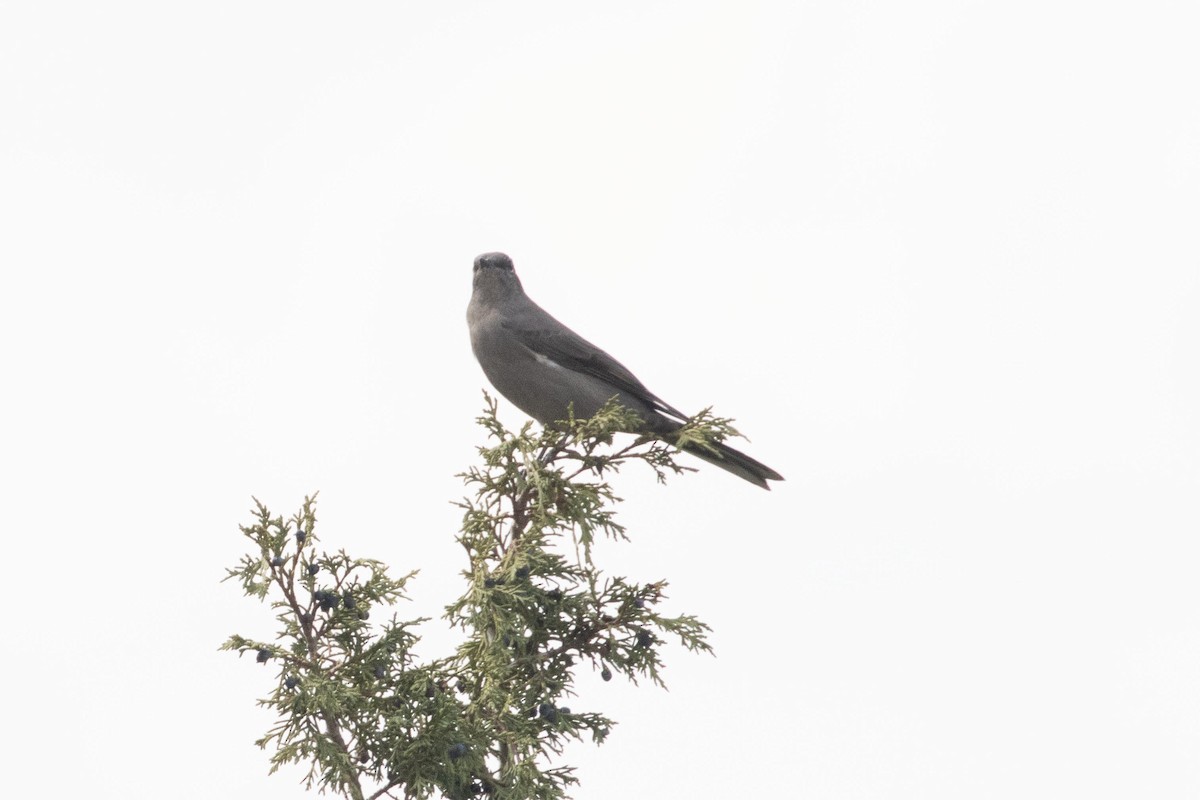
column 355, row 704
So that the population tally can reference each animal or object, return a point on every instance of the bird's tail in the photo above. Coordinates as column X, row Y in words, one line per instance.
column 735, row 461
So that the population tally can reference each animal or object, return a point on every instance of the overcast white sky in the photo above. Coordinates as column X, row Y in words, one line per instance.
column 939, row 260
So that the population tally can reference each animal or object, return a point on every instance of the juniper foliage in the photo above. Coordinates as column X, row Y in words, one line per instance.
column 354, row 704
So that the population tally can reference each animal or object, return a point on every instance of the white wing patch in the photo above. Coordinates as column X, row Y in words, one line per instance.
column 548, row 362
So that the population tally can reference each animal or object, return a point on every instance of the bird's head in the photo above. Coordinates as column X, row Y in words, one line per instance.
column 495, row 277
column 493, row 261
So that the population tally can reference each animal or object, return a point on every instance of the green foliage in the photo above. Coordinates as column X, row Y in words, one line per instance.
column 492, row 719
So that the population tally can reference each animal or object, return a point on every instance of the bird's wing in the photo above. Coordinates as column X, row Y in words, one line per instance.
column 560, row 344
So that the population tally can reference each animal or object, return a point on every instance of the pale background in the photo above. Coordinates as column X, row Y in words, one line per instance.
column 939, row 260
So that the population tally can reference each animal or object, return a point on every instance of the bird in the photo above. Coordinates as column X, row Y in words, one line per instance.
column 547, row 370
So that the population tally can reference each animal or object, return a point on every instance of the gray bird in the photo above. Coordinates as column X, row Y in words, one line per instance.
column 541, row 366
